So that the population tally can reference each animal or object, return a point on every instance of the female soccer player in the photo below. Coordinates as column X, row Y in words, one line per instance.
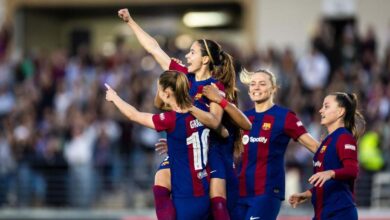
column 261, row 174
column 206, row 60
column 187, row 140
column 335, row 162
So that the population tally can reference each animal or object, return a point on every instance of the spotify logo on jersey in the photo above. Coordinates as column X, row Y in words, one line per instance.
column 245, row 139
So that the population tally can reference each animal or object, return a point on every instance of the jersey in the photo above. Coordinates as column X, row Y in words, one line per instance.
column 262, row 169
column 187, row 141
column 336, row 194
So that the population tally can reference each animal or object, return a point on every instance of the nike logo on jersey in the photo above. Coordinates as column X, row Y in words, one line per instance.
column 213, row 171
column 254, row 218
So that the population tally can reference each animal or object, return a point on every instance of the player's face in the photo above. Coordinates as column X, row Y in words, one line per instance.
column 161, row 93
column 194, row 58
column 330, row 112
column 260, row 88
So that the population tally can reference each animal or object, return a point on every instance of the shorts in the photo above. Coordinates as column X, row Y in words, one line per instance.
column 192, row 208
column 257, row 207
column 164, row 164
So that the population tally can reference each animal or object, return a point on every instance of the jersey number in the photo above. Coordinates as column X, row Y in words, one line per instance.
column 199, row 151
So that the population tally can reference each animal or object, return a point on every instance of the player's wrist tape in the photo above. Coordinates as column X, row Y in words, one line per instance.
column 223, row 103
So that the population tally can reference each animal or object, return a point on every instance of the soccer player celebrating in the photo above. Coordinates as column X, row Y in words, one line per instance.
column 187, row 140
column 335, row 162
column 261, row 174
column 208, row 64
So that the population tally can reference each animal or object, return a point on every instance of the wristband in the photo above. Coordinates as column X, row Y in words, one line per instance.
column 223, row 103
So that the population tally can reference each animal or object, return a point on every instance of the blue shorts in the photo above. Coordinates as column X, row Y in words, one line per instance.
column 192, row 208
column 347, row 213
column 164, row 164
column 257, row 207
column 217, row 166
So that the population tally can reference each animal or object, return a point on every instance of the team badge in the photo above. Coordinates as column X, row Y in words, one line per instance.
column 198, row 96
column 266, row 126
column 323, row 149
column 245, row 139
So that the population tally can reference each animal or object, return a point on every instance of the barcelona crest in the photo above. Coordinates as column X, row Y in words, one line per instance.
column 323, row 149
column 266, row 126
column 198, row 96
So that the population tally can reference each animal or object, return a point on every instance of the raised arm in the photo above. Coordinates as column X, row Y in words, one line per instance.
column 128, row 110
column 309, row 142
column 148, row 42
column 238, row 117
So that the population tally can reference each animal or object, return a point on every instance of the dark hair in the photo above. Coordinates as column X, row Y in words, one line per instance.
column 353, row 119
column 180, row 86
column 221, row 65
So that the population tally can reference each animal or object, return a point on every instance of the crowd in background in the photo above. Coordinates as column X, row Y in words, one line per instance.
column 62, row 144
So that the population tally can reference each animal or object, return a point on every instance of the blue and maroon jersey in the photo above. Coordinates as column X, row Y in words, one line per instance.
column 187, row 141
column 337, row 193
column 262, row 166
column 196, row 87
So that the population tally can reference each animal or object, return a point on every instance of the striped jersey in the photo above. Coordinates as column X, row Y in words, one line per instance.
column 262, row 166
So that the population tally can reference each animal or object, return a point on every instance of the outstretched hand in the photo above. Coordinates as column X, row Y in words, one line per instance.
column 298, row 198
column 213, row 93
column 124, row 15
column 110, row 93
column 177, row 60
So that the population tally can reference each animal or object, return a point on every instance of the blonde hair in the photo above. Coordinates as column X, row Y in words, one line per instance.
column 246, row 76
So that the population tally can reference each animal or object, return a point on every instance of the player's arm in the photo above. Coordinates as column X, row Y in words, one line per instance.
column 238, row 117
column 128, row 110
column 149, row 43
column 210, row 120
column 309, row 142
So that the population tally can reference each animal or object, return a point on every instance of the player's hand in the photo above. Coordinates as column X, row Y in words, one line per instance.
column 320, row 178
column 298, row 198
column 124, row 15
column 177, row 61
column 110, row 93
column 161, row 147
column 213, row 93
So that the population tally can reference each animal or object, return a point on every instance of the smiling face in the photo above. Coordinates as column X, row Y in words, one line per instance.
column 331, row 113
column 261, row 88
column 194, row 58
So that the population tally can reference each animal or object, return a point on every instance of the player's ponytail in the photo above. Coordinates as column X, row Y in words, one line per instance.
column 179, row 84
column 353, row 119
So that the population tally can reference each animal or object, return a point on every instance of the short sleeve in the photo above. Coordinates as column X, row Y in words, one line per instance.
column 177, row 67
column 293, row 126
column 346, row 147
column 165, row 121
column 220, row 86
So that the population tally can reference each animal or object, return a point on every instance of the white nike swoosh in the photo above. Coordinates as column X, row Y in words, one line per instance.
column 213, row 171
column 253, row 218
